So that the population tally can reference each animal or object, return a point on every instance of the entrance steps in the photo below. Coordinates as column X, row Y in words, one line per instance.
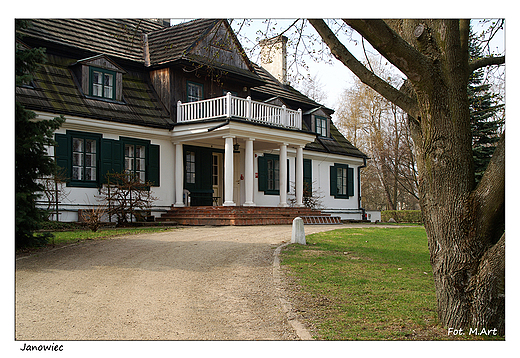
column 241, row 215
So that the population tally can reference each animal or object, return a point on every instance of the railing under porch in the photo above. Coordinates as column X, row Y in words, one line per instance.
column 230, row 106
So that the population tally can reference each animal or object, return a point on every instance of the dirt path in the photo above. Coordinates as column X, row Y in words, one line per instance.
column 199, row 283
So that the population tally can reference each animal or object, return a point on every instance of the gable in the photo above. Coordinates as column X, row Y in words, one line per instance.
column 101, row 61
column 220, row 47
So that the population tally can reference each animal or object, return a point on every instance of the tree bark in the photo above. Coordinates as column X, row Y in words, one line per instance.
column 464, row 224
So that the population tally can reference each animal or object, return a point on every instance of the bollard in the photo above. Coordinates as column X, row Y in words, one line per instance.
column 298, row 231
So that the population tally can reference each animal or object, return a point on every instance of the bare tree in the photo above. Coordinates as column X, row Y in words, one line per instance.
column 379, row 129
column 464, row 222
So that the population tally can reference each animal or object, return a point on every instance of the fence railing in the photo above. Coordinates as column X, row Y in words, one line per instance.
column 230, row 106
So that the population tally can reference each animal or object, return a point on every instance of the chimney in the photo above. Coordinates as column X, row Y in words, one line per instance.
column 146, row 50
column 273, row 57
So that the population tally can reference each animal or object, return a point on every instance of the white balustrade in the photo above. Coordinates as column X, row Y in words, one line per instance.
column 229, row 106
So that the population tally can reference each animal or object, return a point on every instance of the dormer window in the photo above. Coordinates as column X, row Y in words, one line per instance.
column 321, row 126
column 100, row 78
column 102, row 83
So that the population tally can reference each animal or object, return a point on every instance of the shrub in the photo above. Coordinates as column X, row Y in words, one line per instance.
column 402, row 216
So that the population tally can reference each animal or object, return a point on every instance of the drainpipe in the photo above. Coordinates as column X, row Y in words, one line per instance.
column 219, row 126
column 359, row 187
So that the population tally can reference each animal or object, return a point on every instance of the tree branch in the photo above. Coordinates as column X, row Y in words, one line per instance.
column 391, row 46
column 486, row 61
column 488, row 198
column 339, row 51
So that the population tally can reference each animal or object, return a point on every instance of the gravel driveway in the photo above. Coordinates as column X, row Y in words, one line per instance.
column 196, row 283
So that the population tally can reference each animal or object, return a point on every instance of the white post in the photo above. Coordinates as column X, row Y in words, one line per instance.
column 299, row 176
column 248, row 109
column 179, row 176
column 228, row 172
column 228, row 105
column 284, row 116
column 179, row 112
column 283, row 174
column 249, row 177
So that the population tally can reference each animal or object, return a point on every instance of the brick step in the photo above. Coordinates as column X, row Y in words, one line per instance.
column 237, row 215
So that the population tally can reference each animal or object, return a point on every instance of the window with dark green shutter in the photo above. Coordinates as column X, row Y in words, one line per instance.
column 77, row 153
column 87, row 158
column 269, row 174
column 341, row 181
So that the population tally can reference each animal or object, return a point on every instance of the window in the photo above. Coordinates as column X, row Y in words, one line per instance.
column 102, row 83
column 190, row 167
column 84, row 160
column 341, row 181
column 321, row 126
column 135, row 161
column 195, row 92
column 269, row 174
column 215, row 173
column 273, row 174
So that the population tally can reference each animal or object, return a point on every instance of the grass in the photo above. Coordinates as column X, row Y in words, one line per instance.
column 65, row 237
column 366, row 284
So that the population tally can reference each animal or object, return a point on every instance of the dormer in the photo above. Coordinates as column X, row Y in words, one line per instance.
column 100, row 78
column 318, row 121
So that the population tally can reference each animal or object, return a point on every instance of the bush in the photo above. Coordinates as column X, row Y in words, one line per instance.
column 402, row 216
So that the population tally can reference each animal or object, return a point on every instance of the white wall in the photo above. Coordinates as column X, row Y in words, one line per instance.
column 81, row 198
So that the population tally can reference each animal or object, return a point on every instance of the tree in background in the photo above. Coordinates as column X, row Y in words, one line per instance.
column 31, row 161
column 486, row 113
column 379, row 128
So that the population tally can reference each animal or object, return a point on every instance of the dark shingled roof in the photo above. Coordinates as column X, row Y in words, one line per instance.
column 121, row 38
column 56, row 91
column 173, row 43
column 337, row 144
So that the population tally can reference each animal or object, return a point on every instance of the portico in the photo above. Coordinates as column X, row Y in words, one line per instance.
column 240, row 171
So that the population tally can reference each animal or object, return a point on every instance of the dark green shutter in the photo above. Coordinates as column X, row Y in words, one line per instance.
column 153, row 165
column 333, row 181
column 288, row 176
column 62, row 152
column 350, row 182
column 262, row 174
column 111, row 161
column 307, row 176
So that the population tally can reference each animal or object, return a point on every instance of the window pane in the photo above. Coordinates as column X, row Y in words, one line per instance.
column 77, row 145
column 77, row 173
column 108, row 88
column 77, row 159
column 90, row 146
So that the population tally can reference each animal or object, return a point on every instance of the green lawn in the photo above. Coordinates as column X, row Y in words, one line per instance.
column 366, row 284
column 64, row 237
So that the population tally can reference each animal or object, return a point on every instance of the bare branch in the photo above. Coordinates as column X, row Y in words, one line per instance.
column 367, row 77
column 486, row 61
column 391, row 46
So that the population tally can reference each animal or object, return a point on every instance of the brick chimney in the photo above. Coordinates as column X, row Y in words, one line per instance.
column 273, row 57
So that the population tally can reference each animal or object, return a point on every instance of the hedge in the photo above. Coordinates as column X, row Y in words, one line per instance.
column 402, row 216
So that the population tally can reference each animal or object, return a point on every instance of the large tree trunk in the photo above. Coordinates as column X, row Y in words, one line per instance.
column 464, row 223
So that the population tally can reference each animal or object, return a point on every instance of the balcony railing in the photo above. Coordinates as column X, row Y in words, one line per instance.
column 230, row 106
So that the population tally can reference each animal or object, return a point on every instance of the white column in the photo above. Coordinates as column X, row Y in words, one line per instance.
column 283, row 174
column 299, row 176
column 179, row 175
column 228, row 172
column 249, row 175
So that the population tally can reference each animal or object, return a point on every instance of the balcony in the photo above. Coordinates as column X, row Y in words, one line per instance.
column 230, row 106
